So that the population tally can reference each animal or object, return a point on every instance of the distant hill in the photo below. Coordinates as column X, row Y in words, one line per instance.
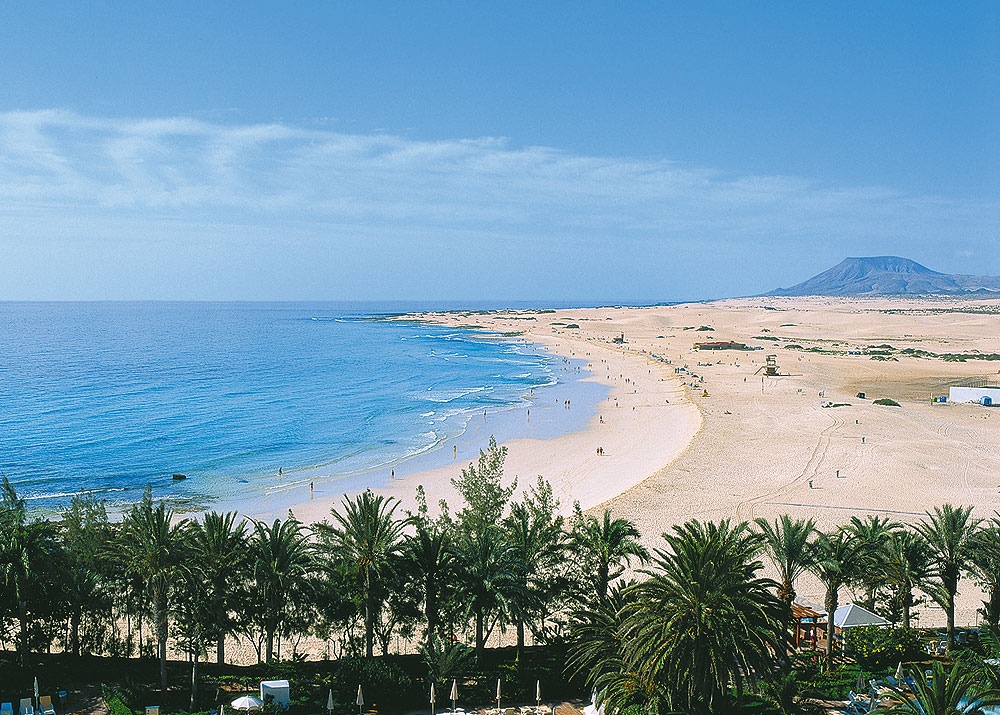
column 890, row 275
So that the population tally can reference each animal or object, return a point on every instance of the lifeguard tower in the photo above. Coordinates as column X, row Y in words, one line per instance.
column 770, row 366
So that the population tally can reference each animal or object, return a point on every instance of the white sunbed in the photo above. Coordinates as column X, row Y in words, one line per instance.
column 45, row 705
column 27, row 706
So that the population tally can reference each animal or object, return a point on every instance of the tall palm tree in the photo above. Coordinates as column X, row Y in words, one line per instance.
column 538, row 545
column 27, row 549
column 608, row 546
column 428, row 557
column 281, row 559
column 491, row 579
column 219, row 541
column 367, row 534
column 985, row 566
column 948, row 693
column 907, row 565
column 704, row 618
column 949, row 533
column 789, row 546
column 836, row 561
column 153, row 547
column 871, row 536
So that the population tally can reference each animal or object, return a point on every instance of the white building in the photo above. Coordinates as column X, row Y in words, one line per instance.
column 974, row 394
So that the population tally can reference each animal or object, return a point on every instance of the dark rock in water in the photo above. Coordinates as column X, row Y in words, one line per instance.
column 890, row 275
column 179, row 477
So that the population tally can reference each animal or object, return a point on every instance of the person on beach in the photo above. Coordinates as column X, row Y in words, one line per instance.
column 279, row 471
column 310, row 490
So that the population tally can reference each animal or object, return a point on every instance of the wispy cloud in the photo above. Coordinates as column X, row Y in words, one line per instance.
column 54, row 160
column 104, row 207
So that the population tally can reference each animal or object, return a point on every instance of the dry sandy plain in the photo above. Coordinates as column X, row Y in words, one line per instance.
column 762, row 446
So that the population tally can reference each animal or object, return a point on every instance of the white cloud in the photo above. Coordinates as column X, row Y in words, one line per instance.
column 58, row 160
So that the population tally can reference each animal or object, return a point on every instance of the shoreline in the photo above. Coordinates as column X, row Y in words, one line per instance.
column 644, row 399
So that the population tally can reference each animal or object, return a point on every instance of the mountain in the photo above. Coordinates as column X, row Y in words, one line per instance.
column 889, row 275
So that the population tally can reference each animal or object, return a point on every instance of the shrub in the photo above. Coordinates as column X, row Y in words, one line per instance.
column 877, row 648
column 115, row 700
column 885, row 401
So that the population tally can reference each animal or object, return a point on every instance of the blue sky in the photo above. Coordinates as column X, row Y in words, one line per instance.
column 566, row 151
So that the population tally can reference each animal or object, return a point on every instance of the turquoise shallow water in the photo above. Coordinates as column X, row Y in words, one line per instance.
column 109, row 397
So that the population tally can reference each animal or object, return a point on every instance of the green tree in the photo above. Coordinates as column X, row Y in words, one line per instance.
column 606, row 546
column 152, row 547
column 949, row 693
column 907, row 565
column 87, row 540
column 219, row 544
column 871, row 537
column 984, row 559
column 481, row 487
column 491, row 580
column 950, row 534
column 27, row 552
column 836, row 561
column 704, row 618
column 535, row 530
column 367, row 534
column 788, row 544
column 281, row 558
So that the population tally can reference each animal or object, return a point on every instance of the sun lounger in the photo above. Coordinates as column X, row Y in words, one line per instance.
column 45, row 705
column 857, row 704
column 7, row 709
column 27, row 706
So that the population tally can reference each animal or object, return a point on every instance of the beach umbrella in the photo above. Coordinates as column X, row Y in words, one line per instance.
column 454, row 693
column 361, row 699
column 498, row 693
column 432, row 698
column 36, row 692
column 329, row 701
column 861, row 681
column 246, row 702
column 899, row 671
column 538, row 693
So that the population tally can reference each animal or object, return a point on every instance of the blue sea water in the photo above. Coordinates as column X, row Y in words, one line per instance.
column 109, row 397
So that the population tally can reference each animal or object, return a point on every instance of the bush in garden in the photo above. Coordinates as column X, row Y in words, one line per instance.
column 877, row 648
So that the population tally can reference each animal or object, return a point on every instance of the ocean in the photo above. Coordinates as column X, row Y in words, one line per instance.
column 106, row 398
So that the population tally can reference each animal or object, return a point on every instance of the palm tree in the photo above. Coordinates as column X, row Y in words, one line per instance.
column 704, row 618
column 985, row 566
column 27, row 549
column 281, row 558
column 907, row 565
column 836, row 561
column 949, row 533
column 428, row 557
column 367, row 534
column 607, row 546
column 491, row 579
column 152, row 545
column 948, row 693
column 538, row 545
column 219, row 542
column 788, row 545
column 871, row 536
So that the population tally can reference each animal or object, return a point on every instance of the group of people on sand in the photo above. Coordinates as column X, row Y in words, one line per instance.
column 600, row 451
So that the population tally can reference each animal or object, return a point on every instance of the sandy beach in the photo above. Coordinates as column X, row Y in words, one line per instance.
column 760, row 446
